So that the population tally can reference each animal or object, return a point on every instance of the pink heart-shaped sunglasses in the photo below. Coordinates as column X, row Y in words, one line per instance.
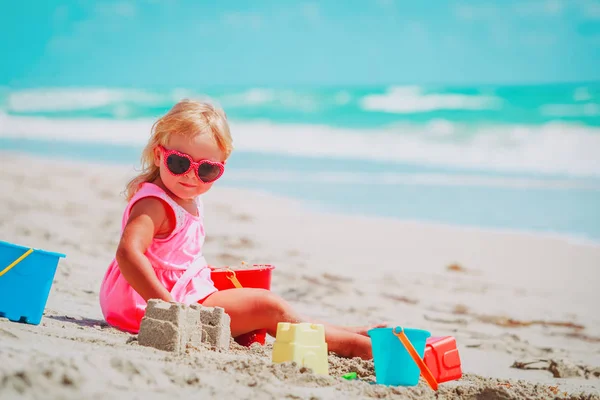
column 180, row 163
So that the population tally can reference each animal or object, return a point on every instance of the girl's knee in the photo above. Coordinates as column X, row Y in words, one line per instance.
column 273, row 303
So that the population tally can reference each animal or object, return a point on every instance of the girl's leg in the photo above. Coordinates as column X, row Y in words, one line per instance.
column 252, row 309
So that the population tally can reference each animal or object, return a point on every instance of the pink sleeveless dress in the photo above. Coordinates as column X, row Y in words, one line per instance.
column 177, row 261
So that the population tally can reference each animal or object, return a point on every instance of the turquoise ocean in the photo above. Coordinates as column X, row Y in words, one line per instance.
column 516, row 158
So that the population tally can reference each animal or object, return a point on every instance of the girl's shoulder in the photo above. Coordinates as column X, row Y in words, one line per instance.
column 152, row 200
column 150, row 190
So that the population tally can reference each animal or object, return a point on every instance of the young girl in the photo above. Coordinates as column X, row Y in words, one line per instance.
column 160, row 252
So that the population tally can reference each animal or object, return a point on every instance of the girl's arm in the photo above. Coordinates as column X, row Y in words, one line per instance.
column 147, row 219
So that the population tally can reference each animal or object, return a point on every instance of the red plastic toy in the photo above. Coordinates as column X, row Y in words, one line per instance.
column 441, row 356
column 259, row 276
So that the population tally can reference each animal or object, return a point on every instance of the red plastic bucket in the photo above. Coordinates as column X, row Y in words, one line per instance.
column 259, row 276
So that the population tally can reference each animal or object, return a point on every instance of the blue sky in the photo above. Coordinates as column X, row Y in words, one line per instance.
column 267, row 42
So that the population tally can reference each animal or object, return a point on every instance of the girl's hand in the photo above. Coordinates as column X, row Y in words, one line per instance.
column 148, row 218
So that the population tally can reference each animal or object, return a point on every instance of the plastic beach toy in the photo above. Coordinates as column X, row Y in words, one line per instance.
column 303, row 343
column 257, row 276
column 397, row 356
column 26, row 277
column 350, row 376
column 442, row 358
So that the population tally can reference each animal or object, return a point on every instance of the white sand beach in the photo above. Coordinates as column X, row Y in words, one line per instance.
column 506, row 297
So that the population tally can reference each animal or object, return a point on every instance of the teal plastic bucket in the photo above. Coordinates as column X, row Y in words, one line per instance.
column 393, row 364
column 24, row 288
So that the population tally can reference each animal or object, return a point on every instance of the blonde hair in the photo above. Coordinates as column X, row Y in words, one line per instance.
column 188, row 118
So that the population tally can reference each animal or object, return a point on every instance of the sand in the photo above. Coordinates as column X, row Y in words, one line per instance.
column 522, row 307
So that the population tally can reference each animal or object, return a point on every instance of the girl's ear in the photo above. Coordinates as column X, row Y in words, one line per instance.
column 157, row 156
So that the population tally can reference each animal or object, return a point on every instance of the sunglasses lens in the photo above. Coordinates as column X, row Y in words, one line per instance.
column 209, row 172
column 177, row 164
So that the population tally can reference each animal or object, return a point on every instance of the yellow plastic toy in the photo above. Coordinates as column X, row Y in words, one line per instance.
column 303, row 343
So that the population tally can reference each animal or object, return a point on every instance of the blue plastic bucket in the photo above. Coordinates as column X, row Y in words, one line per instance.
column 24, row 288
column 393, row 364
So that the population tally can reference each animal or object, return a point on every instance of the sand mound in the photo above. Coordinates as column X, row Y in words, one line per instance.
column 206, row 373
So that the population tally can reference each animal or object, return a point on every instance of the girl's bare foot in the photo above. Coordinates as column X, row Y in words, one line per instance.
column 348, row 344
column 361, row 348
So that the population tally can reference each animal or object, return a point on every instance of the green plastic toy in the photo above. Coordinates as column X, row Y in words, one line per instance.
column 350, row 376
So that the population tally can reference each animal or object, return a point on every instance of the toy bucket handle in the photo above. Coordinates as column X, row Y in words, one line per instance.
column 14, row 263
column 233, row 278
column 415, row 356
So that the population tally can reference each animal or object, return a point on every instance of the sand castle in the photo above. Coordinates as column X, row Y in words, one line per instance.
column 173, row 326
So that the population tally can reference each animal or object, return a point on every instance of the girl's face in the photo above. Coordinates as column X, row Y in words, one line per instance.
column 199, row 148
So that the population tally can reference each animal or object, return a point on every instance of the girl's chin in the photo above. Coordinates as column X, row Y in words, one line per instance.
column 181, row 191
column 186, row 192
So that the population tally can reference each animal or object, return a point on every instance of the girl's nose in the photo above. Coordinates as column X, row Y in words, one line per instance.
column 191, row 174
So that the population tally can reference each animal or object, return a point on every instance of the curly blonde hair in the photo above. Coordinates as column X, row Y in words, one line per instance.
column 188, row 118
